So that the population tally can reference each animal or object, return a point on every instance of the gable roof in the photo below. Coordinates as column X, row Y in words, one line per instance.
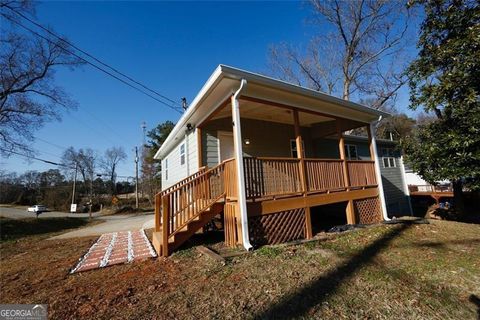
column 225, row 80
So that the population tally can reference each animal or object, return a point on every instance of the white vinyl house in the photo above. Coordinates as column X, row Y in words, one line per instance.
column 267, row 156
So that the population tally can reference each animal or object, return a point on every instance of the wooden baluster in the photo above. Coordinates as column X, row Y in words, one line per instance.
column 158, row 212
column 165, row 224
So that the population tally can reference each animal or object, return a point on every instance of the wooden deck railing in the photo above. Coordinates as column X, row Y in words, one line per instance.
column 324, row 174
column 264, row 177
column 184, row 181
column 230, row 178
column 184, row 201
column 267, row 177
column 272, row 177
column 361, row 173
column 430, row 189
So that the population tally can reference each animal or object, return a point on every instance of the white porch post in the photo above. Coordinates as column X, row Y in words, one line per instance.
column 237, row 139
column 378, row 174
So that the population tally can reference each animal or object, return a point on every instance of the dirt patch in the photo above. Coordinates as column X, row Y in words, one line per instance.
column 389, row 271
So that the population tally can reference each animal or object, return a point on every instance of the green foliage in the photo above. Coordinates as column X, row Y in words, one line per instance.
column 151, row 168
column 269, row 251
column 444, row 80
column 158, row 135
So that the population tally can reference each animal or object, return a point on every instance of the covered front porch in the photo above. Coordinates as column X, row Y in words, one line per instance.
column 292, row 160
column 268, row 152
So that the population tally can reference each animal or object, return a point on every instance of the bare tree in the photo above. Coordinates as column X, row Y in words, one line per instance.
column 86, row 162
column 29, row 96
column 357, row 53
column 109, row 162
column 151, row 177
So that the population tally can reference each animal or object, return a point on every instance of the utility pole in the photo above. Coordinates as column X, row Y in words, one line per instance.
column 74, row 185
column 136, row 177
column 91, row 198
column 142, row 152
column 144, row 130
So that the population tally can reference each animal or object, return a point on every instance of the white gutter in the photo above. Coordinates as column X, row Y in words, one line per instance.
column 237, row 139
column 377, row 170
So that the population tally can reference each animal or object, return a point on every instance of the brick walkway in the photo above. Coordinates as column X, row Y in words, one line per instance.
column 115, row 248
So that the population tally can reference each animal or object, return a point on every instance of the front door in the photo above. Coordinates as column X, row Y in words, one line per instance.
column 225, row 146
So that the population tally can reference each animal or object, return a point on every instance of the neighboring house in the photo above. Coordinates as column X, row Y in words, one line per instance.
column 287, row 144
column 394, row 180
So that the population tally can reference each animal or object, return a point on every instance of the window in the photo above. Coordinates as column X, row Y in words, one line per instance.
column 388, row 158
column 351, row 152
column 166, row 169
column 293, row 148
column 182, row 154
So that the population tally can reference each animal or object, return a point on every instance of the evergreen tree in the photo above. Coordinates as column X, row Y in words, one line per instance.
column 445, row 81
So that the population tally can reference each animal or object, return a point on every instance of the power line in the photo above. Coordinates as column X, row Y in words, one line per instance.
column 92, row 64
column 35, row 158
column 51, row 143
column 91, row 56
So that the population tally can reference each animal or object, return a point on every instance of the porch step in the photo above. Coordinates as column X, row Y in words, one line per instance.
column 187, row 231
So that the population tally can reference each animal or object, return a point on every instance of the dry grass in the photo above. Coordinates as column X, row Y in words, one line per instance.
column 394, row 272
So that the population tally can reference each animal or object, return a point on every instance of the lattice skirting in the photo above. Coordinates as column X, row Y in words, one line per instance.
column 277, row 227
column 368, row 211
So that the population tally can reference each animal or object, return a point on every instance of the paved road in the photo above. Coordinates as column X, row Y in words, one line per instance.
column 20, row 213
column 113, row 223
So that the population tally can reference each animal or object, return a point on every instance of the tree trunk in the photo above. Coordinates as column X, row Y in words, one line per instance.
column 346, row 89
column 458, row 196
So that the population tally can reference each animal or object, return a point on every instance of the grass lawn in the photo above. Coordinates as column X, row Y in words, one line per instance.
column 387, row 271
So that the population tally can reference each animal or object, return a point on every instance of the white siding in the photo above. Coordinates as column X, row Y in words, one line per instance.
column 177, row 171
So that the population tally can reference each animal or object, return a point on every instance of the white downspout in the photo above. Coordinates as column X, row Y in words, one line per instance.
column 237, row 139
column 405, row 185
column 187, row 159
column 377, row 170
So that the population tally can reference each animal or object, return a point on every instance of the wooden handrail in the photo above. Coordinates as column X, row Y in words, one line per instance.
column 361, row 161
column 185, row 180
column 322, row 159
column 186, row 200
column 274, row 158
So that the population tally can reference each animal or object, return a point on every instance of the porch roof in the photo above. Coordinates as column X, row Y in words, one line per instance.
column 225, row 81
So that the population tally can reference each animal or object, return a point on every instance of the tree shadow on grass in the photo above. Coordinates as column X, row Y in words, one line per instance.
column 14, row 229
column 298, row 303
column 476, row 301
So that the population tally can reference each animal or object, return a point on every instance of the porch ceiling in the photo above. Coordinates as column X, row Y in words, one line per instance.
column 260, row 111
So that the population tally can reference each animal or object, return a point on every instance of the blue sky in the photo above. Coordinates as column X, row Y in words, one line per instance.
column 170, row 46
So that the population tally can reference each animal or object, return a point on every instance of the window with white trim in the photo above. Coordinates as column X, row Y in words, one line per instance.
column 351, row 152
column 182, row 154
column 166, row 169
column 293, row 148
column 388, row 158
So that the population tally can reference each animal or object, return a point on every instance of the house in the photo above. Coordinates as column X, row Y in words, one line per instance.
column 270, row 157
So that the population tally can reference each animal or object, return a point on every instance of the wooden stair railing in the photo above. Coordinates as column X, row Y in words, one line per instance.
column 184, row 181
column 188, row 205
